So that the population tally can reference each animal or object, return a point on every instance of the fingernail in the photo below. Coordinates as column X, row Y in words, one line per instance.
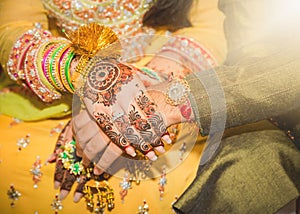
column 160, row 149
column 130, row 151
column 151, row 155
column 63, row 194
column 56, row 184
column 77, row 197
column 98, row 171
column 167, row 139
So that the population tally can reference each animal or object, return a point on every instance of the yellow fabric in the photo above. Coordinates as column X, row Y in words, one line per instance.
column 15, row 165
column 15, row 169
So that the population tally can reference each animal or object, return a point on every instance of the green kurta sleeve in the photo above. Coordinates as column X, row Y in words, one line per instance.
column 254, row 90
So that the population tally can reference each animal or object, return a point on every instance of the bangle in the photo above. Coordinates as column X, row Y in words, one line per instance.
column 15, row 63
column 34, row 73
column 54, row 66
column 65, row 60
column 67, row 70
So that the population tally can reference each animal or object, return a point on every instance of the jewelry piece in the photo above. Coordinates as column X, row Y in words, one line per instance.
column 14, row 122
column 36, row 171
column 57, row 129
column 35, row 78
column 13, row 194
column 117, row 115
column 151, row 73
column 17, row 54
column 54, row 63
column 64, row 68
column 56, row 204
column 162, row 183
column 68, row 158
column 98, row 195
column 86, row 42
column 144, row 209
column 177, row 92
column 23, row 142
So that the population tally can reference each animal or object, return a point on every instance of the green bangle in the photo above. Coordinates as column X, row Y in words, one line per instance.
column 67, row 70
column 56, row 82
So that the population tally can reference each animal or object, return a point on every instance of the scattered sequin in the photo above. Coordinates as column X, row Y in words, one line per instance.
column 23, row 142
column 57, row 129
column 13, row 194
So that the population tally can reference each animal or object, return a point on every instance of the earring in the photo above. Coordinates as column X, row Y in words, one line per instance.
column 102, row 192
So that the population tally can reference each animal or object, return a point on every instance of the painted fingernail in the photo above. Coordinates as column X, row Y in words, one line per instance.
column 160, row 149
column 167, row 139
column 56, row 184
column 98, row 171
column 151, row 155
column 63, row 194
column 77, row 197
column 130, row 151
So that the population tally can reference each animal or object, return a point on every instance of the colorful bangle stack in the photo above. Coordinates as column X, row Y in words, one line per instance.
column 43, row 62
column 15, row 64
column 47, row 60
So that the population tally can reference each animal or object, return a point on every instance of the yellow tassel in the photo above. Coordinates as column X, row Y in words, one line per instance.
column 91, row 38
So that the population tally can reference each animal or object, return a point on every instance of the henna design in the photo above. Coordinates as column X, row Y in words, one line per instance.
column 103, row 75
column 158, row 124
column 123, row 124
column 147, row 135
column 107, row 126
column 138, row 122
column 59, row 171
column 68, row 181
column 105, row 80
column 145, row 104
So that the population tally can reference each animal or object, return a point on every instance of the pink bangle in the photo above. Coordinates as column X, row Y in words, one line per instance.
column 15, row 63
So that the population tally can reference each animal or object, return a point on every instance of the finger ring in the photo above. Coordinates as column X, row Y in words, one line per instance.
column 116, row 115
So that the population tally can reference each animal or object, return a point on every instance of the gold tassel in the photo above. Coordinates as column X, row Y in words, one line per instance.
column 91, row 38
